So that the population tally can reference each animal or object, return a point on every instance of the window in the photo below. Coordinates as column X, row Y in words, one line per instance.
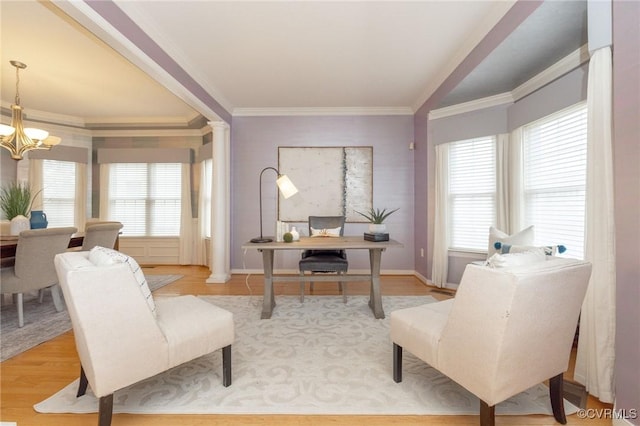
column 472, row 192
column 555, row 164
column 146, row 198
column 59, row 192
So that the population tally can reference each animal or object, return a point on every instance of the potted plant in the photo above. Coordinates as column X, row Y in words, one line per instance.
column 376, row 217
column 15, row 201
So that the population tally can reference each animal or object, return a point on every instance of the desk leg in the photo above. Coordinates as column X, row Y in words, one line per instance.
column 375, row 297
column 269, row 300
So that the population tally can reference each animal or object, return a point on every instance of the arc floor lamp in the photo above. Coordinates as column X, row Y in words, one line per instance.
column 287, row 188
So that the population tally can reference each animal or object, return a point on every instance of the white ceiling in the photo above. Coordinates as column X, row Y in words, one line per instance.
column 248, row 56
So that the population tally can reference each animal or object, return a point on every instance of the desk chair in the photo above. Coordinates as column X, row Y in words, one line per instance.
column 324, row 261
column 34, row 269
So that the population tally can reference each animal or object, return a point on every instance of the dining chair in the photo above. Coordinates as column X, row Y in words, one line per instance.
column 34, row 268
column 104, row 234
column 324, row 261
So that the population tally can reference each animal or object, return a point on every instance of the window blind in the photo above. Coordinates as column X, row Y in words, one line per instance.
column 59, row 192
column 555, row 164
column 472, row 192
column 146, row 198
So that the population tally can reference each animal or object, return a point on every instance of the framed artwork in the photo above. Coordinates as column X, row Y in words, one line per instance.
column 331, row 181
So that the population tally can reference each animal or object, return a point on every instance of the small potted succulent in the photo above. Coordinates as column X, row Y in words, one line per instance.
column 376, row 218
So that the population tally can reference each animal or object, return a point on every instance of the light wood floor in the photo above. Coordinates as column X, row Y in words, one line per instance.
column 40, row 372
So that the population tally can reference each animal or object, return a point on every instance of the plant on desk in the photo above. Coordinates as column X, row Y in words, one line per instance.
column 376, row 217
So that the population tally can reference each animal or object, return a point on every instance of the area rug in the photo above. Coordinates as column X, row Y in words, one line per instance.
column 316, row 357
column 42, row 322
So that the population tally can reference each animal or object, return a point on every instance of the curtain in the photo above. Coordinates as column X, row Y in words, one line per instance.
column 440, row 267
column 596, row 345
column 186, row 218
column 104, row 191
column 80, row 205
column 502, row 183
column 36, row 183
column 514, row 176
column 204, row 212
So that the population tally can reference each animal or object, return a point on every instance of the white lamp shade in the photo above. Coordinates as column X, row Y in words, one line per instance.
column 6, row 130
column 36, row 134
column 287, row 188
column 52, row 141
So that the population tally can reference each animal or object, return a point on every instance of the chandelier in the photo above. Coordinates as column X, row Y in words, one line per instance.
column 15, row 137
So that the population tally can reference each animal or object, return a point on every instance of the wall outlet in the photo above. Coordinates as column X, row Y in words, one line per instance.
column 421, row 252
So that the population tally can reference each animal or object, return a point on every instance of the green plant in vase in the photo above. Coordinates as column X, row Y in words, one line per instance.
column 376, row 218
column 16, row 200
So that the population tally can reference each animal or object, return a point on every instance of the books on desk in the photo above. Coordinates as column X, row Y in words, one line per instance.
column 376, row 237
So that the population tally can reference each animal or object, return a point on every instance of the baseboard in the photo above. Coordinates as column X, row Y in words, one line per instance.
column 296, row 272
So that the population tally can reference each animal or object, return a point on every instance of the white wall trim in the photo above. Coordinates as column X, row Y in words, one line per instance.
column 147, row 133
column 560, row 68
column 270, row 112
column 477, row 104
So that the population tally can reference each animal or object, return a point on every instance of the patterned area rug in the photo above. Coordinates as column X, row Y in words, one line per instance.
column 42, row 322
column 316, row 357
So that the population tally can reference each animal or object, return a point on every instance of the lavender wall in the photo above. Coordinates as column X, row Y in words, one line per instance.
column 626, row 146
column 254, row 146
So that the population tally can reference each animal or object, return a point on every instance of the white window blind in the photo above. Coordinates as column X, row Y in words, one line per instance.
column 472, row 192
column 59, row 192
column 146, row 198
column 555, row 162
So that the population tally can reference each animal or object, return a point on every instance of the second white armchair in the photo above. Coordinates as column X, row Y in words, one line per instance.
column 123, row 335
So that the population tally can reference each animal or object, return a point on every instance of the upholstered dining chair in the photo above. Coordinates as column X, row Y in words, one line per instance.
column 104, row 234
column 506, row 330
column 324, row 261
column 123, row 335
column 34, row 269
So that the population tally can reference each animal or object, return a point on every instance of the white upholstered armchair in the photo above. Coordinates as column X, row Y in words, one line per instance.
column 506, row 330
column 123, row 335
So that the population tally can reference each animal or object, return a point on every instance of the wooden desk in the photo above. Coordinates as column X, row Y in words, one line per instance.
column 323, row 243
column 8, row 244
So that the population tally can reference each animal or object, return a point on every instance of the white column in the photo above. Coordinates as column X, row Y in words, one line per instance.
column 220, row 205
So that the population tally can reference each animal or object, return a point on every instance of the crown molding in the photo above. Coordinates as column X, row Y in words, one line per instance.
column 560, row 68
column 555, row 71
column 477, row 104
column 132, row 133
column 322, row 111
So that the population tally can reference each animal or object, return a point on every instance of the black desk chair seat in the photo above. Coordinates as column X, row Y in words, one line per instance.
column 324, row 261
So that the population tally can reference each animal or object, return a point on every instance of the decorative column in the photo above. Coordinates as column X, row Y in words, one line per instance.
column 220, row 205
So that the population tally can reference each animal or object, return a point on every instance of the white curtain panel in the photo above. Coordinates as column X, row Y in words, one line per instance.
column 440, row 267
column 515, row 186
column 204, row 216
column 503, row 179
column 104, row 191
column 80, row 205
column 596, row 345
column 186, row 218
column 36, row 182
